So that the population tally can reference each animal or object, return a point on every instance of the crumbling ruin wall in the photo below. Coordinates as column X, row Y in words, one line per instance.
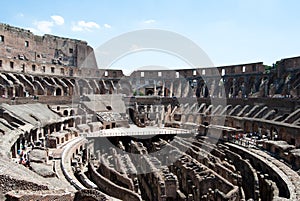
column 260, row 165
column 110, row 188
column 115, row 176
column 21, row 44
column 44, row 195
column 8, row 183
column 250, row 180
column 90, row 195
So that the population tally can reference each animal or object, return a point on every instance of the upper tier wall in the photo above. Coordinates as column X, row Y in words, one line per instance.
column 24, row 45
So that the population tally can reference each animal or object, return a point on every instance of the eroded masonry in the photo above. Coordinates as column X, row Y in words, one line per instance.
column 71, row 131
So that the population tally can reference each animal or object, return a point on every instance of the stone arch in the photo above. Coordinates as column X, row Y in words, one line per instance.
column 71, row 122
column 66, row 113
column 126, row 87
column 274, row 133
column 64, row 87
column 78, row 120
column 84, row 87
column 283, row 134
column 248, row 126
column 95, row 87
column 255, row 127
column 19, row 90
column 84, row 119
column 229, row 86
column 149, row 92
column 70, row 86
column 58, row 92
column 109, row 87
column 28, row 86
column 3, row 91
column 40, row 90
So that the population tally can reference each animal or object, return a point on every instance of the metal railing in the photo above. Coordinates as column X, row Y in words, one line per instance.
column 111, row 133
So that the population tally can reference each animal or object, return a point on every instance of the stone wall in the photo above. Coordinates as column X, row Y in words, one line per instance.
column 90, row 195
column 110, row 188
column 17, row 43
column 30, row 195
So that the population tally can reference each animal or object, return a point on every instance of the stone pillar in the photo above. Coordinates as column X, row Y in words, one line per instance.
column 186, row 89
column 171, row 89
column 178, row 92
column 163, row 88
column 155, row 90
column 14, row 150
column 18, row 145
column 13, row 91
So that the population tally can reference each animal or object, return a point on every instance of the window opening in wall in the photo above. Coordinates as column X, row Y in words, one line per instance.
column 142, row 74
column 23, row 68
column 26, row 43
column 33, row 67
column 11, row 64
column 1, row 38
column 223, row 72
column 62, row 71
column 194, row 72
column 52, row 69
column 159, row 74
column 244, row 69
column 0, row 63
column 43, row 68
column 177, row 75
column 106, row 73
column 71, row 51
column 203, row 71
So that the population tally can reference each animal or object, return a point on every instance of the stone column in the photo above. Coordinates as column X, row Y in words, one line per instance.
column 178, row 92
column 171, row 89
column 186, row 89
column 163, row 88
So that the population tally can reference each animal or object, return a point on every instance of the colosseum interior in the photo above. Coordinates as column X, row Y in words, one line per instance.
column 71, row 131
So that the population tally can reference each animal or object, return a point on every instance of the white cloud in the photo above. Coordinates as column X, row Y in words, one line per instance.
column 107, row 26
column 149, row 21
column 43, row 27
column 85, row 26
column 58, row 20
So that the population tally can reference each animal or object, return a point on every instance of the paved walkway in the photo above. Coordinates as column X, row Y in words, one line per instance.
column 137, row 131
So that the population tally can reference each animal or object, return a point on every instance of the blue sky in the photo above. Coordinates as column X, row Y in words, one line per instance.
column 229, row 31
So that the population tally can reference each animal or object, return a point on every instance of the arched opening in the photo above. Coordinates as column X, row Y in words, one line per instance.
column 274, row 133
column 58, row 92
column 66, row 113
column 149, row 92
column 78, row 121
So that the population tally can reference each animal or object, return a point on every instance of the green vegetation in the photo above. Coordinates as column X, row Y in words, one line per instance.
column 135, row 93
